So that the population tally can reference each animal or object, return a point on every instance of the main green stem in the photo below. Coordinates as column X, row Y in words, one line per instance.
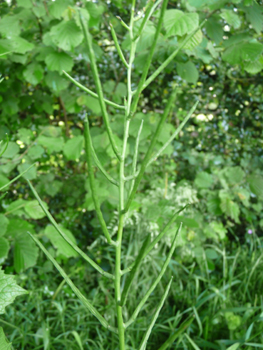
column 118, row 272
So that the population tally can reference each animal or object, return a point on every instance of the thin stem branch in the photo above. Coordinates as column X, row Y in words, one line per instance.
column 98, row 85
column 93, row 94
column 120, row 53
column 135, row 156
column 66, row 238
column 151, row 289
column 92, row 181
column 17, row 177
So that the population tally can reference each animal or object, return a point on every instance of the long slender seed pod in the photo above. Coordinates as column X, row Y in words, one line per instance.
column 82, row 87
column 156, row 314
column 159, row 237
column 92, row 180
column 117, row 45
column 136, row 266
column 177, row 333
column 17, row 177
column 172, row 56
column 78, row 293
column 180, row 127
column 151, row 289
column 98, row 85
column 150, row 149
column 148, row 60
column 66, row 238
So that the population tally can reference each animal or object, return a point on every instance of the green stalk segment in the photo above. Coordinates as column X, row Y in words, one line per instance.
column 150, row 149
column 172, row 56
column 98, row 85
column 93, row 94
column 148, row 12
column 177, row 333
column 135, row 156
column 65, row 237
column 73, row 287
column 180, row 127
column 148, row 61
column 151, row 289
column 88, row 148
column 17, row 177
column 156, row 314
column 120, row 53
column 134, row 270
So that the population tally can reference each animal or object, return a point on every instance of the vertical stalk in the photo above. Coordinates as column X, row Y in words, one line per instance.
column 118, row 272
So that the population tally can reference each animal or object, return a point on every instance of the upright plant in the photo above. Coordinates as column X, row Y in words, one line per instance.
column 127, row 185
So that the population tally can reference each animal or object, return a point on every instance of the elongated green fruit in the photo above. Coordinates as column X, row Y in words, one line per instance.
column 177, row 333
column 88, row 148
column 17, row 177
column 150, row 149
column 151, row 289
column 156, row 314
column 98, row 85
column 78, row 293
column 65, row 237
column 118, row 48
column 134, row 270
column 180, row 127
column 93, row 94
column 158, row 238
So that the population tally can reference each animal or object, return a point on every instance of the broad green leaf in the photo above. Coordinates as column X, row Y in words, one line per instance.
column 3, row 224
column 16, row 208
column 35, row 152
column 146, row 38
column 18, row 227
column 243, row 51
column 229, row 207
column 204, row 180
column 219, row 228
column 177, row 22
column 39, row 9
column 66, row 35
column 63, row 248
column 56, row 82
column 59, row 61
column 25, row 135
column 194, row 41
column 24, row 3
column 234, row 175
column 4, row 248
column 56, row 8
column 52, row 131
column 21, row 45
column 11, row 151
column 255, row 17
column 34, row 210
column 33, row 73
column 91, row 102
column 53, row 187
column 214, row 30
column 4, row 344
column 254, row 67
column 256, row 184
column 9, row 25
column 3, row 180
column 231, row 18
column 53, row 144
column 188, row 72
column 73, row 147
column 213, row 205
column 25, row 253
column 31, row 174
column 211, row 253
column 9, row 290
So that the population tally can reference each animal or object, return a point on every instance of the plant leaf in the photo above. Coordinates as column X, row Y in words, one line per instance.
column 177, row 22
column 4, row 344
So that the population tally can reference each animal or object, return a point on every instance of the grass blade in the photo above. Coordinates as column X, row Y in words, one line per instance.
column 156, row 314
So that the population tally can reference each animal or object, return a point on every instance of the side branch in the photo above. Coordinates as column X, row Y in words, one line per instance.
column 93, row 94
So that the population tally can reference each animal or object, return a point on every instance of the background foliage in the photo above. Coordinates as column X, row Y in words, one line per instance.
column 215, row 164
